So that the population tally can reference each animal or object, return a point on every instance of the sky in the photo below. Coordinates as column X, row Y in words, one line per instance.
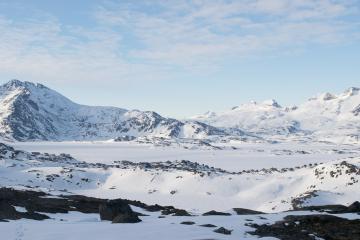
column 182, row 58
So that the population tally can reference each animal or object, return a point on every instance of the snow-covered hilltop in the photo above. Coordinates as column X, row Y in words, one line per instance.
column 327, row 117
column 31, row 112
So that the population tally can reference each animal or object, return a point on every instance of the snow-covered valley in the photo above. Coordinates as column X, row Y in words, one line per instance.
column 259, row 156
column 194, row 185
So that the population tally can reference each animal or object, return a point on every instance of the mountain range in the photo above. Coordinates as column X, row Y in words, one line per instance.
column 326, row 117
column 34, row 112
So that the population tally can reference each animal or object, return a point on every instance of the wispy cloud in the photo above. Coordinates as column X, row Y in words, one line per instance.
column 148, row 39
column 195, row 32
column 37, row 50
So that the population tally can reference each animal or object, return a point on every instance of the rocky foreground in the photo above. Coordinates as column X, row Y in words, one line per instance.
column 311, row 227
column 34, row 205
column 37, row 204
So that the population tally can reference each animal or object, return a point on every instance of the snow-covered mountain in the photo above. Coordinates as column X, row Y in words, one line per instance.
column 31, row 111
column 326, row 117
column 267, row 117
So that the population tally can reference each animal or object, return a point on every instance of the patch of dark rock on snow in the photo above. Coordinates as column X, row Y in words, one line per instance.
column 175, row 212
column 8, row 212
column 117, row 211
column 333, row 209
column 244, row 211
column 215, row 213
column 141, row 214
column 188, row 223
column 223, row 230
column 165, row 210
column 125, row 138
column 208, row 225
column 310, row 227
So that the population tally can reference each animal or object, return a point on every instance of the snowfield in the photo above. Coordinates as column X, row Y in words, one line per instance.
column 245, row 156
column 321, row 175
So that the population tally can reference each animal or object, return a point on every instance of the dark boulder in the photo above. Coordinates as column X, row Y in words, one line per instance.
column 8, row 212
column 354, row 208
column 223, row 230
column 175, row 212
column 117, row 211
column 188, row 223
column 126, row 218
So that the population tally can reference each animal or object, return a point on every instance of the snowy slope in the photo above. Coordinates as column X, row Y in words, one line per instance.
column 188, row 185
column 31, row 111
column 267, row 117
column 332, row 117
column 326, row 117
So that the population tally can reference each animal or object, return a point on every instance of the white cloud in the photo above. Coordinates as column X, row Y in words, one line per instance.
column 149, row 40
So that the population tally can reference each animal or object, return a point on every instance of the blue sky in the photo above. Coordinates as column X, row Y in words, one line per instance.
column 181, row 58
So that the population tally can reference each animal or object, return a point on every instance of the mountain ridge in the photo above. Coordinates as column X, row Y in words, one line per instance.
column 32, row 112
column 323, row 116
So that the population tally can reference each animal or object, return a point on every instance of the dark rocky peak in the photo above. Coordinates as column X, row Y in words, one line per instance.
column 356, row 110
column 272, row 103
column 15, row 83
column 352, row 91
column 328, row 96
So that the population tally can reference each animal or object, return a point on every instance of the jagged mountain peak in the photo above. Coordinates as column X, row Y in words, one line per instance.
column 272, row 103
column 254, row 105
column 35, row 91
column 15, row 83
column 327, row 96
column 352, row 91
